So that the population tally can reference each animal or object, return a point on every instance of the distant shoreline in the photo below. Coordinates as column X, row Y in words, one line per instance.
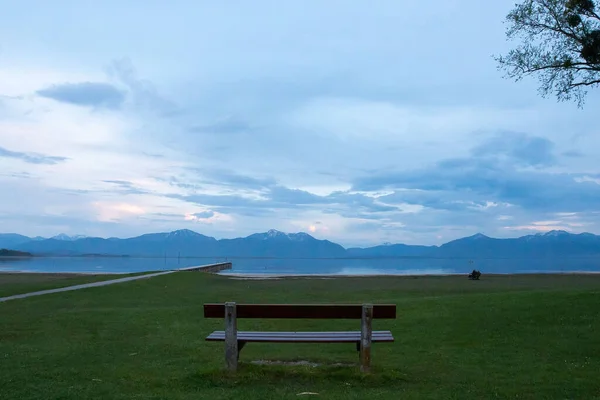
column 279, row 276
column 229, row 258
column 8, row 253
column 362, row 275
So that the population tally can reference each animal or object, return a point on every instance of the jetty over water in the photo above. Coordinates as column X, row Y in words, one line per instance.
column 212, row 268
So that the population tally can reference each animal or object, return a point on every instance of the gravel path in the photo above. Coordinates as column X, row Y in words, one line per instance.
column 84, row 286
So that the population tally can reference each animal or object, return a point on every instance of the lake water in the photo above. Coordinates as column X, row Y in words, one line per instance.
column 401, row 266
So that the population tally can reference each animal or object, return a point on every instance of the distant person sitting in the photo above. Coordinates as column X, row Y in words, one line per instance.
column 474, row 275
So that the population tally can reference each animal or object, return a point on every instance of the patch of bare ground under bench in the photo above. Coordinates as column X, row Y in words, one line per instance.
column 304, row 363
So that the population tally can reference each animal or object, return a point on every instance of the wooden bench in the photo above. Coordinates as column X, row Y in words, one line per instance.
column 235, row 340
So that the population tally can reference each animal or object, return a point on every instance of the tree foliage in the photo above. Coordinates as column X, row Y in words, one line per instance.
column 559, row 43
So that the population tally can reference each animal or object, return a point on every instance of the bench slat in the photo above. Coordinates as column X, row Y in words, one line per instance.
column 318, row 333
column 290, row 339
column 304, row 311
column 303, row 337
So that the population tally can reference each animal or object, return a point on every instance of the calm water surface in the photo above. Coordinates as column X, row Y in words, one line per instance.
column 402, row 266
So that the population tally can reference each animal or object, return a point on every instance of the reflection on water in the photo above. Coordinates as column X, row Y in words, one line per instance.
column 408, row 266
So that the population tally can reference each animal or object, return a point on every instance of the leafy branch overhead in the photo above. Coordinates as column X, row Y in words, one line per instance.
column 559, row 43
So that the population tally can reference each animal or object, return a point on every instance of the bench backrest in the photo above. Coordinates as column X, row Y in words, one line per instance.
column 301, row 311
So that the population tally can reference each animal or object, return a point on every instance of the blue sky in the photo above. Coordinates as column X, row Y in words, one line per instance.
column 359, row 122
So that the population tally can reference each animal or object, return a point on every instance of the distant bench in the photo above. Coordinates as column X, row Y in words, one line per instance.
column 236, row 340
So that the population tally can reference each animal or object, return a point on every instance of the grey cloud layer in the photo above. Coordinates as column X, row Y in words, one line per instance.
column 502, row 175
column 519, row 148
column 248, row 125
column 31, row 158
column 142, row 92
column 499, row 170
column 91, row 94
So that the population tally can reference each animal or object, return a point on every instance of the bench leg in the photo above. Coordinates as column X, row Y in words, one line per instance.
column 241, row 345
column 231, row 342
column 366, row 335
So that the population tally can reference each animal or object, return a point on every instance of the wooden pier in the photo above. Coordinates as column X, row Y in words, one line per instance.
column 212, row 268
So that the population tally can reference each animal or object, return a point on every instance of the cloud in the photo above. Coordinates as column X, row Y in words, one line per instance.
column 120, row 183
column 113, row 211
column 90, row 94
column 226, row 177
column 126, row 187
column 36, row 224
column 32, row 158
column 153, row 155
column 519, row 148
column 345, row 131
column 573, row 153
column 272, row 200
column 295, row 197
column 459, row 184
column 538, row 228
column 16, row 175
column 222, row 202
column 360, row 202
column 228, row 125
column 145, row 95
column 587, row 178
column 490, row 175
column 204, row 214
column 265, row 193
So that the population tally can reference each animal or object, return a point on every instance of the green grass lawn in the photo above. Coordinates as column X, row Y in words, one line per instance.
column 526, row 337
column 12, row 283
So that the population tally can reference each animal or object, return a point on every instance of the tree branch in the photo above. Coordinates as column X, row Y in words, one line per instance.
column 552, row 12
column 542, row 26
column 574, row 66
column 589, row 83
column 556, row 39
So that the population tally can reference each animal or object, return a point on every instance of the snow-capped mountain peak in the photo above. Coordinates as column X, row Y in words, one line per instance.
column 274, row 233
column 479, row 236
column 65, row 237
column 181, row 233
column 555, row 233
column 299, row 236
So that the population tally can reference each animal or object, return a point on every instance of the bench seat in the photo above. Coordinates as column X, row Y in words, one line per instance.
column 302, row 337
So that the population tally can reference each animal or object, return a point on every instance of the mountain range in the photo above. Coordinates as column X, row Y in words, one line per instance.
column 187, row 243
